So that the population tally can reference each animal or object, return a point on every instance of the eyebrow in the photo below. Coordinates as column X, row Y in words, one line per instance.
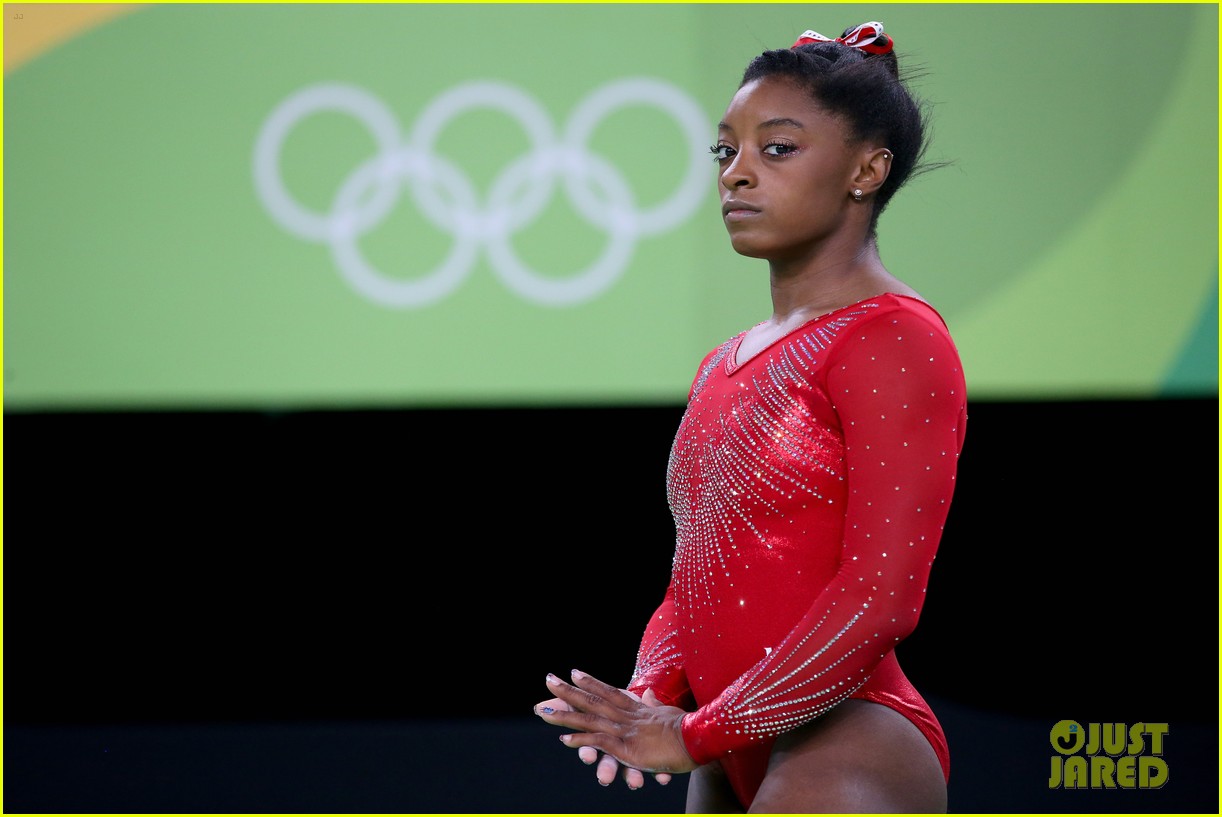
column 770, row 123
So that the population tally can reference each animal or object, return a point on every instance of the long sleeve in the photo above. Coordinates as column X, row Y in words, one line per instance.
column 659, row 661
column 895, row 384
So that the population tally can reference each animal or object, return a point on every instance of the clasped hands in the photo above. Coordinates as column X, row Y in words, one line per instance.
column 639, row 733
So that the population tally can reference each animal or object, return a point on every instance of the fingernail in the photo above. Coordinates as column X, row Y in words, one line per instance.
column 545, row 710
column 578, row 675
column 565, row 739
column 552, row 680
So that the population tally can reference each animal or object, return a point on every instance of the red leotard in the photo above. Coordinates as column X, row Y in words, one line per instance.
column 809, row 486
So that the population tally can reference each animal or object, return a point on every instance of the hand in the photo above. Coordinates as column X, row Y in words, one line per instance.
column 635, row 733
column 608, row 767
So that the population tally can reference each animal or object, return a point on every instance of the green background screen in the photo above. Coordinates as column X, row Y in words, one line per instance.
column 313, row 206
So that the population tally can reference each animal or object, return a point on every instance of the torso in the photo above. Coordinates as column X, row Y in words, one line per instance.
column 758, row 486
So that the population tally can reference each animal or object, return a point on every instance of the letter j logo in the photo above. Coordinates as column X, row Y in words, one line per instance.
column 1067, row 737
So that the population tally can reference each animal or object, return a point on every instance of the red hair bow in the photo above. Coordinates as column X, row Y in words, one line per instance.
column 867, row 37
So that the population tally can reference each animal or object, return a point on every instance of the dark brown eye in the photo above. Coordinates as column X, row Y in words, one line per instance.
column 779, row 149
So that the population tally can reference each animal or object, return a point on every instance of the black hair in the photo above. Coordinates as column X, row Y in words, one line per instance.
column 865, row 91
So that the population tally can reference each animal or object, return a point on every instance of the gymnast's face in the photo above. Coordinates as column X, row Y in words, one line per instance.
column 786, row 171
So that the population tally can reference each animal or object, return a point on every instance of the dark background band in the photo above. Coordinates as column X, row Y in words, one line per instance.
column 430, row 566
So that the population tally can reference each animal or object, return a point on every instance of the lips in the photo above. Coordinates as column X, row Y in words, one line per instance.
column 734, row 209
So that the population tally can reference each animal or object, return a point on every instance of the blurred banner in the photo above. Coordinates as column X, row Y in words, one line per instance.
column 280, row 206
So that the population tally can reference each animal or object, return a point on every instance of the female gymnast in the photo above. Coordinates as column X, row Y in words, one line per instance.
column 810, row 477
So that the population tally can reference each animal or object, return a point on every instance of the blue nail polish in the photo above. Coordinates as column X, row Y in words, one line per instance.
column 546, row 710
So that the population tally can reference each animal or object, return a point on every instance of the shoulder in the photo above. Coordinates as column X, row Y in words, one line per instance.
column 892, row 312
column 715, row 357
column 907, row 308
column 885, row 314
column 896, row 330
column 718, row 352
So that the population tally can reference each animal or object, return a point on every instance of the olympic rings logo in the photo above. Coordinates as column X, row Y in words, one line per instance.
column 515, row 198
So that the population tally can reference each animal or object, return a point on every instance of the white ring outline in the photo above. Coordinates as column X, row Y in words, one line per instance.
column 494, row 224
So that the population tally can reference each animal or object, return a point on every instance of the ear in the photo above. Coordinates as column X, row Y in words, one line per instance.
column 873, row 169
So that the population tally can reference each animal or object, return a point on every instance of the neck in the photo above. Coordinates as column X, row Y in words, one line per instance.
column 837, row 277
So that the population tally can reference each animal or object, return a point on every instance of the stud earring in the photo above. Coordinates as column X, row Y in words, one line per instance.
column 857, row 193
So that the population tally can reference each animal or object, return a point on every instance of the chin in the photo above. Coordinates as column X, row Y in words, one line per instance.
column 746, row 248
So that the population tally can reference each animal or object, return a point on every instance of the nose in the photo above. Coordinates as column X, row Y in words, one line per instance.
column 738, row 173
